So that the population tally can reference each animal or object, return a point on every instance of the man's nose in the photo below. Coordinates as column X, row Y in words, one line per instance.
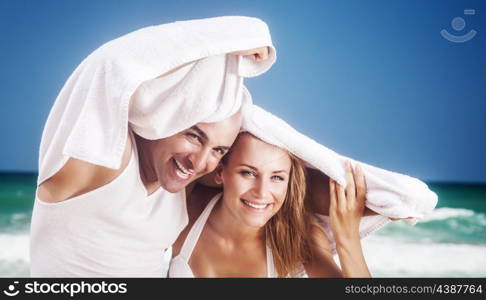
column 199, row 160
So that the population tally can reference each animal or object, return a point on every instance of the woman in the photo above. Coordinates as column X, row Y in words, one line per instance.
column 260, row 226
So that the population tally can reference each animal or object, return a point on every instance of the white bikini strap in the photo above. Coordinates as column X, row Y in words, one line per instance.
column 270, row 265
column 195, row 232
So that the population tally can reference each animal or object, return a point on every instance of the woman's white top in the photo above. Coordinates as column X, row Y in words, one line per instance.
column 113, row 231
column 179, row 266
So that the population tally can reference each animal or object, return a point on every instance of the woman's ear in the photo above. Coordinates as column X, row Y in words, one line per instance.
column 218, row 177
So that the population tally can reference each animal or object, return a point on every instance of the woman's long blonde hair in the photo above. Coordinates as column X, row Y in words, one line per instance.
column 287, row 231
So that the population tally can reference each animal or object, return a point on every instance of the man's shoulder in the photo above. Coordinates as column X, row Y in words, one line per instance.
column 78, row 177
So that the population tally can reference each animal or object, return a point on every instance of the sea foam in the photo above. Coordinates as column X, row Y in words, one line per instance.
column 387, row 257
column 447, row 212
column 14, row 255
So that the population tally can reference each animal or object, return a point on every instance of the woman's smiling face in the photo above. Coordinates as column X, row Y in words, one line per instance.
column 255, row 178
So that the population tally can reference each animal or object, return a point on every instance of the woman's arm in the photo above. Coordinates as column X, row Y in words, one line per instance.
column 345, row 211
column 321, row 264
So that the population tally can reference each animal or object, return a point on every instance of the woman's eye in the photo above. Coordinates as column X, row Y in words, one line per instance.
column 248, row 173
column 277, row 178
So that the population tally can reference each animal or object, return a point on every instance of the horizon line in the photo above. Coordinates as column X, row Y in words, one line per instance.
column 428, row 181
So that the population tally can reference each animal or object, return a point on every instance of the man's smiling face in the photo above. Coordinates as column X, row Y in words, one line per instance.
column 184, row 157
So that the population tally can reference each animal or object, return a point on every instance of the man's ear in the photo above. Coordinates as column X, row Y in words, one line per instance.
column 218, row 176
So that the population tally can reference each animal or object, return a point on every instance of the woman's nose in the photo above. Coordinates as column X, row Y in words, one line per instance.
column 261, row 188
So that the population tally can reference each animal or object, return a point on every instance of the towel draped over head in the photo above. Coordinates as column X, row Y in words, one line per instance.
column 121, row 83
column 390, row 194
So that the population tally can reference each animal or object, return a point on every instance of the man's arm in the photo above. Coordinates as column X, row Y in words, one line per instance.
column 78, row 177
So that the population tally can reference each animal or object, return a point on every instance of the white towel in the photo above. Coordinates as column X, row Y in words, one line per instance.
column 388, row 193
column 89, row 120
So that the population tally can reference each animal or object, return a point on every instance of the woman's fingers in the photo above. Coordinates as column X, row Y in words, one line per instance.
column 341, row 198
column 350, row 187
column 360, row 183
column 338, row 197
column 352, row 198
column 332, row 195
column 347, row 205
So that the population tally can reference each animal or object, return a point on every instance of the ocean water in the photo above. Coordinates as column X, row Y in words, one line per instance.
column 450, row 242
column 16, row 199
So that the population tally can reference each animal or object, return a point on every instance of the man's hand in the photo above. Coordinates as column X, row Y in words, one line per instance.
column 257, row 54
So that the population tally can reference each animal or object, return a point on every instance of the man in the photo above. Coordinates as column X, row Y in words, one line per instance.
column 111, row 193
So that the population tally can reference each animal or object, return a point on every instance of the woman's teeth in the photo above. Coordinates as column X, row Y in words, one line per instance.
column 181, row 171
column 255, row 205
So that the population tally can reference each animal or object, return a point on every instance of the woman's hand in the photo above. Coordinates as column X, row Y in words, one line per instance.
column 347, row 205
column 345, row 212
column 257, row 54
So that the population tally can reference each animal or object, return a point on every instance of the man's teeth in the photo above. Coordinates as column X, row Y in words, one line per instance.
column 181, row 171
column 182, row 175
column 254, row 205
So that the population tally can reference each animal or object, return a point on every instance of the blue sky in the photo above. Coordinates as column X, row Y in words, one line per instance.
column 373, row 80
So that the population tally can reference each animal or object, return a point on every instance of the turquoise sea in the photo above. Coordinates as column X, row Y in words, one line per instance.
column 450, row 242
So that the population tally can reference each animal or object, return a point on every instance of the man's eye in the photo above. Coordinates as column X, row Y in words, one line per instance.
column 220, row 151
column 194, row 137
